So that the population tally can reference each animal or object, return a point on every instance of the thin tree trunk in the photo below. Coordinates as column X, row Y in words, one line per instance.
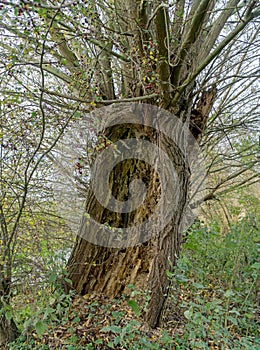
column 8, row 328
column 8, row 331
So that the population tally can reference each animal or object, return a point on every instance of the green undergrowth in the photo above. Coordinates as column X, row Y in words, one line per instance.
column 212, row 303
column 214, row 290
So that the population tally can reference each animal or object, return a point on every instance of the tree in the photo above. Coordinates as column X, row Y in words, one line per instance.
column 174, row 55
column 26, row 138
column 184, row 41
column 27, row 208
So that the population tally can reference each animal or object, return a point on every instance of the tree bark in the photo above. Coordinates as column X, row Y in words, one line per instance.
column 8, row 328
column 8, row 331
column 102, row 269
column 95, row 264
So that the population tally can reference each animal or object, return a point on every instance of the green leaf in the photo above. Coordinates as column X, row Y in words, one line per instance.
column 188, row 314
column 181, row 278
column 76, row 320
column 232, row 320
column 77, row 114
column 134, row 306
column 68, row 280
column 255, row 266
column 8, row 315
column 52, row 300
column 131, row 286
column 113, row 329
column 52, row 278
column 198, row 285
column 229, row 293
column 169, row 274
column 40, row 328
column 63, row 61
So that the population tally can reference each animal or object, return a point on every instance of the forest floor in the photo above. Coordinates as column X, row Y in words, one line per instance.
column 213, row 303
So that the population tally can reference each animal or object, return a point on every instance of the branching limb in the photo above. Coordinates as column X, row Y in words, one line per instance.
column 214, row 54
column 163, row 54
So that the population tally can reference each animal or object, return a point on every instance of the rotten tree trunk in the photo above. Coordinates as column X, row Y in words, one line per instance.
column 96, row 268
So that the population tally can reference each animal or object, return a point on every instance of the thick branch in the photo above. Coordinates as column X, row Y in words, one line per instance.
column 177, row 27
column 162, row 34
column 215, row 53
column 189, row 38
column 216, row 29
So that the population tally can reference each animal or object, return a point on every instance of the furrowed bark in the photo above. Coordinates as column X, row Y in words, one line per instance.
column 94, row 268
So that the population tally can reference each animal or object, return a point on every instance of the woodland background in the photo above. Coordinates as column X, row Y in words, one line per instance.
column 60, row 60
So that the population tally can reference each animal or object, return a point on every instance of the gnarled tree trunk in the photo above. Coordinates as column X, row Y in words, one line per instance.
column 164, row 50
column 100, row 268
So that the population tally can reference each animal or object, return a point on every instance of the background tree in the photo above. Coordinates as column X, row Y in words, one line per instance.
column 27, row 208
column 68, row 60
